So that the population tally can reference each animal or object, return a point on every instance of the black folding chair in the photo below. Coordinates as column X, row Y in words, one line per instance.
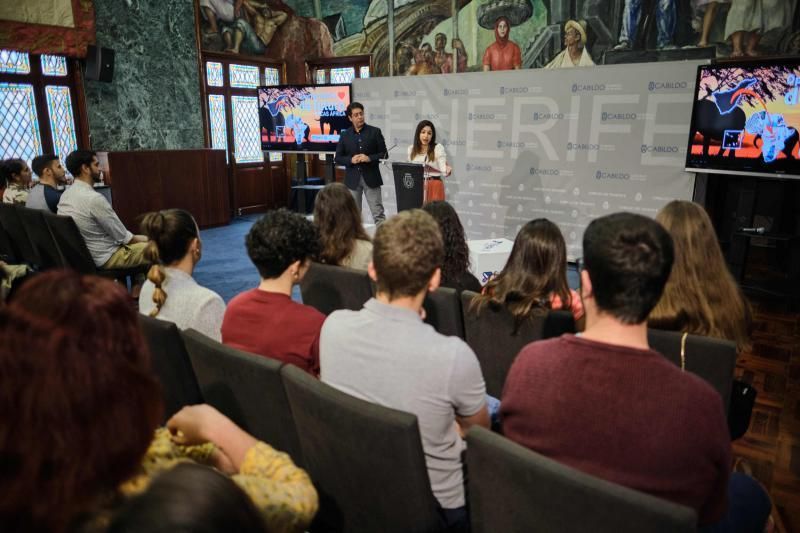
column 329, row 287
column 41, row 238
column 20, row 243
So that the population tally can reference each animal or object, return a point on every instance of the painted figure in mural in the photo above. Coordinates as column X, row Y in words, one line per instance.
column 246, row 26
column 705, row 11
column 404, row 58
column 442, row 59
column 427, row 151
column 424, row 62
column 503, row 53
column 752, row 19
column 574, row 53
column 666, row 12
column 265, row 21
column 460, row 52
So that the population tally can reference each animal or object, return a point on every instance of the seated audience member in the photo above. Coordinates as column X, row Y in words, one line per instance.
column 111, row 245
column 386, row 354
column 82, row 412
column 16, row 175
column 265, row 320
column 631, row 416
column 342, row 237
column 455, row 269
column 190, row 498
column 45, row 194
column 701, row 296
column 170, row 292
column 534, row 279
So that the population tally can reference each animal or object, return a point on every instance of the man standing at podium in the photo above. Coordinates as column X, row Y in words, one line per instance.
column 359, row 150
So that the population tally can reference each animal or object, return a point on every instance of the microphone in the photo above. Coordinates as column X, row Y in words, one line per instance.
column 386, row 158
column 755, row 231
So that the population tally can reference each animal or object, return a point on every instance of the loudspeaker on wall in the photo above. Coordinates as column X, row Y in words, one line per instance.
column 99, row 64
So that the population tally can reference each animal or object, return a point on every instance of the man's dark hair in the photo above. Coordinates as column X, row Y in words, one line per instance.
column 629, row 259
column 41, row 162
column 354, row 105
column 280, row 238
column 77, row 159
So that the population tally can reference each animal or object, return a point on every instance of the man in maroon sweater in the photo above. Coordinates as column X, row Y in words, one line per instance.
column 606, row 404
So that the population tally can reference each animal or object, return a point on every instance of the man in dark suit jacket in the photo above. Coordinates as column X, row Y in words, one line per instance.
column 359, row 150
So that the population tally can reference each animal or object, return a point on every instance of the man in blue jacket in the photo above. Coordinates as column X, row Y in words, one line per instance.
column 359, row 150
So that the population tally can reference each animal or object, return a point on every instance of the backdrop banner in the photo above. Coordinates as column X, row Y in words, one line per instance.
column 565, row 144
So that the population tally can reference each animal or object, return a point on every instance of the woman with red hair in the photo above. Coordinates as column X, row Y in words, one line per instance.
column 82, row 410
column 503, row 53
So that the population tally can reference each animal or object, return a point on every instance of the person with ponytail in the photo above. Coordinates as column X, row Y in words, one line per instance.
column 170, row 292
column 15, row 175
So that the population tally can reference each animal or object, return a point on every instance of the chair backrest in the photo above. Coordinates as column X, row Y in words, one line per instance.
column 171, row 364
column 515, row 490
column 41, row 238
column 714, row 360
column 492, row 336
column 8, row 251
column 443, row 312
column 247, row 388
column 366, row 460
column 70, row 242
column 20, row 243
column 329, row 287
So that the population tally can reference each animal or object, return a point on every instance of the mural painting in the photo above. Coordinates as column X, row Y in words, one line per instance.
column 445, row 36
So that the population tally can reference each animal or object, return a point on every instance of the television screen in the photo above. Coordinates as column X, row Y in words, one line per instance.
column 746, row 118
column 302, row 118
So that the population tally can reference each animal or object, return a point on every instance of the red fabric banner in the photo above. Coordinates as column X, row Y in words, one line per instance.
column 46, row 39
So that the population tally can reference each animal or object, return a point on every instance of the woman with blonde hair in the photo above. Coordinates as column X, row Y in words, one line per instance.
column 343, row 240
column 701, row 296
column 170, row 292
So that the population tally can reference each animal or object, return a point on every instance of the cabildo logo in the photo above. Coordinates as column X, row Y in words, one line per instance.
column 379, row 116
column 513, row 90
column 427, row 116
column 579, row 147
column 455, row 92
column 652, row 148
column 666, row 85
column 400, row 141
column 405, row 93
column 588, row 87
column 480, row 116
column 509, row 144
column 478, row 168
column 545, row 171
column 612, row 175
column 454, row 142
column 617, row 116
column 547, row 116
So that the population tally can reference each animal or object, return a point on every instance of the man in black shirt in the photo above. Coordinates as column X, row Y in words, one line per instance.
column 359, row 150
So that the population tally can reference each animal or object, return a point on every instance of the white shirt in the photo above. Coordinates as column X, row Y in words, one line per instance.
column 439, row 158
column 563, row 60
column 188, row 304
column 99, row 225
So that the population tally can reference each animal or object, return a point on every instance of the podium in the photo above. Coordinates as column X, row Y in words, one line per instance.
column 409, row 185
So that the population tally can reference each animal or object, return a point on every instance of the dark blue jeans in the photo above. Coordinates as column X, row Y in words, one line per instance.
column 748, row 507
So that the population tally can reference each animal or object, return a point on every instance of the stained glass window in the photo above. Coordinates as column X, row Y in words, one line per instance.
column 62, row 123
column 214, row 74
column 272, row 76
column 216, row 116
column 246, row 132
column 19, row 127
column 54, row 65
column 14, row 62
column 243, row 76
column 363, row 72
column 343, row 74
column 320, row 76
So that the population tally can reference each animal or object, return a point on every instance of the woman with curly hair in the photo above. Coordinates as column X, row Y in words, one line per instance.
column 534, row 279
column 15, row 178
column 455, row 270
column 701, row 296
column 343, row 240
column 265, row 320
column 170, row 292
column 81, row 418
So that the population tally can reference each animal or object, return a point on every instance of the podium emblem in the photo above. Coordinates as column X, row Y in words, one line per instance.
column 408, row 180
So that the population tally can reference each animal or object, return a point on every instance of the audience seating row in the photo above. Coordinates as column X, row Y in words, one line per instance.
column 367, row 460
column 43, row 240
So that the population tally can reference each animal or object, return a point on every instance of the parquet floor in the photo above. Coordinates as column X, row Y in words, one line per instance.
column 772, row 444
